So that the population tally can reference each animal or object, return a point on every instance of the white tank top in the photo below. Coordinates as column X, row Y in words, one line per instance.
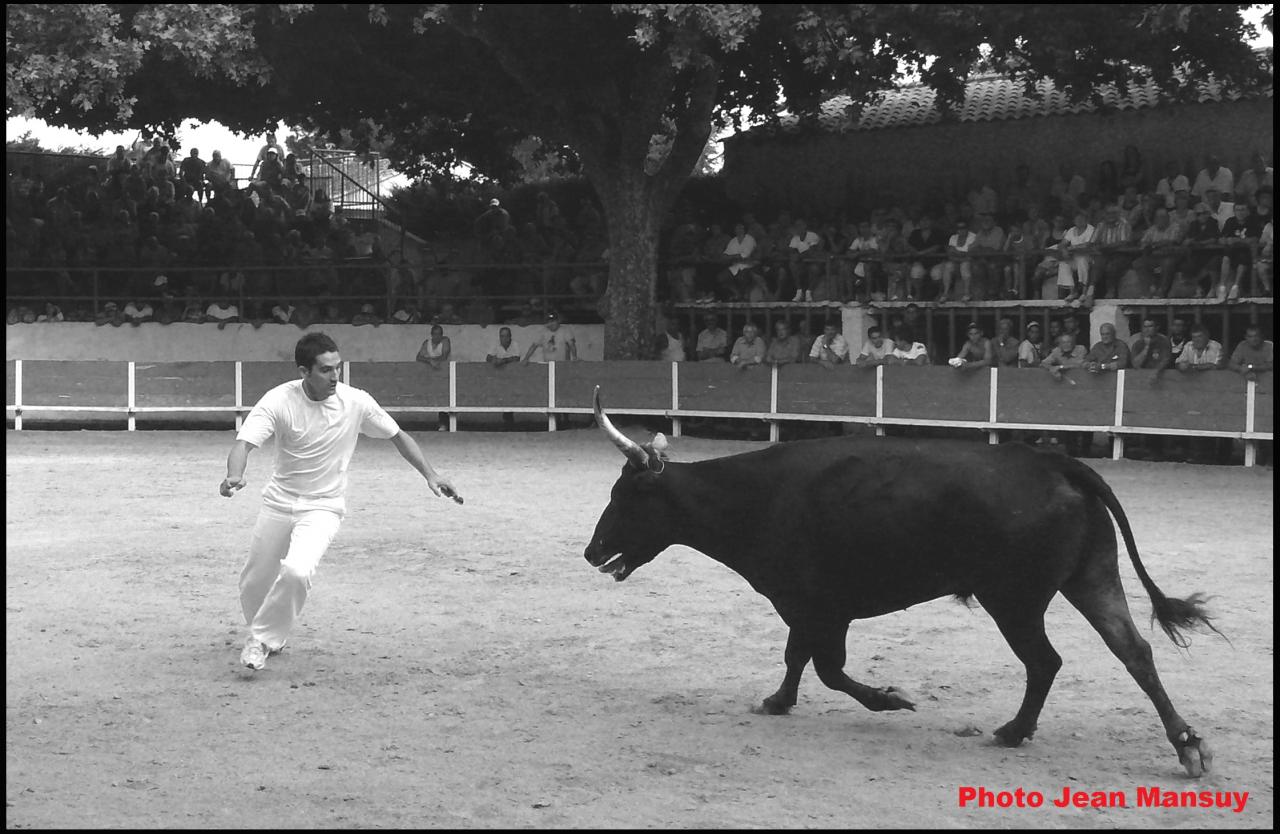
column 674, row 351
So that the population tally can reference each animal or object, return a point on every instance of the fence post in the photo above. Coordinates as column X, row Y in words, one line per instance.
column 1250, row 445
column 132, row 420
column 551, row 395
column 453, row 395
column 675, row 398
column 17, row 394
column 774, row 431
column 1117, row 439
column 993, row 435
column 239, row 394
column 879, row 399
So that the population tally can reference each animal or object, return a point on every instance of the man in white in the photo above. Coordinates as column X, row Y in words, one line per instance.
column 958, row 250
column 906, row 350
column 1171, row 183
column 740, row 251
column 830, row 348
column 1213, row 175
column 505, row 350
column 556, row 342
column 316, row 421
column 713, row 341
column 875, row 349
column 801, row 242
column 1203, row 354
column 1075, row 268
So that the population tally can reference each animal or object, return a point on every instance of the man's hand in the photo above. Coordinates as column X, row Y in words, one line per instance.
column 442, row 486
column 228, row 486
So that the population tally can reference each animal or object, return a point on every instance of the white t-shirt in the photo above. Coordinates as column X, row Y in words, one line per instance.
column 221, row 313
column 803, row 245
column 838, row 351
column 957, row 245
column 877, row 353
column 497, row 350
column 314, row 442
column 742, row 250
column 917, row 350
column 554, row 344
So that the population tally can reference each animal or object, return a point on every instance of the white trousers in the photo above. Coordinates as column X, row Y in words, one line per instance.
column 283, row 556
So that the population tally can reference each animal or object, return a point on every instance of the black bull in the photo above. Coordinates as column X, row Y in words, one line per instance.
column 1007, row 525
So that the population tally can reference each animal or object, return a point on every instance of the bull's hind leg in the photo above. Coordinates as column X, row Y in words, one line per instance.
column 1021, row 621
column 828, row 662
column 1098, row 595
column 797, row 657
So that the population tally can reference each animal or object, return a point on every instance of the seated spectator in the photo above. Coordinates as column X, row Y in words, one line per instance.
column 406, row 312
column 1150, row 350
column 1162, row 254
column 875, row 350
column 1109, row 353
column 736, row 279
column 223, row 312
column 987, row 272
column 555, row 342
column 1067, row 354
column 713, row 341
column 1202, row 354
column 504, row 351
column 1253, row 355
column 1201, row 269
column 864, row 255
column 906, row 350
column 897, row 256
column 283, row 312
column 669, row 344
column 1075, row 270
column 22, row 314
column 307, row 313
column 1263, row 266
column 1219, row 209
column 1020, row 249
column 830, row 349
column 1031, row 350
column 1172, row 182
column 109, row 314
column 927, row 243
column 447, row 315
column 806, row 256
column 331, row 312
column 957, row 263
column 1258, row 177
column 749, row 350
column 1113, row 237
column 975, row 353
column 136, row 312
column 1213, row 176
column 1240, row 236
column 52, row 312
column 366, row 316
column 785, row 348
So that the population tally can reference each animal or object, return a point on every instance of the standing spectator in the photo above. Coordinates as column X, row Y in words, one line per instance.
column 555, row 342
column 1004, row 345
column 220, row 174
column 875, row 349
column 502, row 353
column 118, row 164
column 670, row 343
column 976, row 351
column 1265, row 264
column 957, row 262
column 906, row 350
column 785, row 348
column 268, row 147
column 1253, row 355
column 713, row 341
column 1109, row 354
column 1031, row 350
column 1202, row 354
column 1213, row 175
column 749, row 349
column 270, row 179
column 495, row 220
column 192, row 172
column 434, row 353
column 1150, row 350
column 830, row 349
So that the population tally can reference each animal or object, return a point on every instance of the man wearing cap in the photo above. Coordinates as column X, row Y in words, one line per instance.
column 975, row 353
column 270, row 145
column 271, row 172
column 555, row 341
column 1032, row 352
column 495, row 221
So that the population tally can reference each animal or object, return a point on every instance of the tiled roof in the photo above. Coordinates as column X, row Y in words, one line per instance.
column 990, row 98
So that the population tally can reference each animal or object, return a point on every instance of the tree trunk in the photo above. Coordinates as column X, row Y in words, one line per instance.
column 633, row 223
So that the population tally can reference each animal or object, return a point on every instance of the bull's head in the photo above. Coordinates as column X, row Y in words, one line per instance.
column 633, row 529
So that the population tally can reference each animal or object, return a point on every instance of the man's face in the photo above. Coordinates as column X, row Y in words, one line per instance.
column 749, row 333
column 962, row 229
column 1253, row 337
column 709, row 322
column 1178, row 329
column 1004, row 327
column 552, row 324
column 1242, row 212
column 876, row 338
column 1200, row 339
column 1149, row 331
column 321, row 379
column 1113, row 215
column 902, row 343
column 1034, row 336
column 504, row 337
column 975, row 335
column 782, row 330
column 1162, row 218
column 1107, row 333
column 1066, row 342
column 828, row 333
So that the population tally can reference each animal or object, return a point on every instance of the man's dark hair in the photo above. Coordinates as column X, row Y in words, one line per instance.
column 1199, row 328
column 310, row 346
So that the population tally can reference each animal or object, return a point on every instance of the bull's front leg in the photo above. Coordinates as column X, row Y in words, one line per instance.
column 797, row 657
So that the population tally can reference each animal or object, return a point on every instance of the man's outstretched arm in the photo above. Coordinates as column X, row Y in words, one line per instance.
column 410, row 451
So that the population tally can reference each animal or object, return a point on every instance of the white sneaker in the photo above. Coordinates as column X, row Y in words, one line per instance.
column 799, row 296
column 254, row 655
column 808, row 295
column 1234, row 294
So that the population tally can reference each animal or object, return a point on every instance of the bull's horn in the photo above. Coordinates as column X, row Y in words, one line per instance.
column 638, row 456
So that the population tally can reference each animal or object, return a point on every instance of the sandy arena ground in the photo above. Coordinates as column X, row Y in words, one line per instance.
column 462, row 666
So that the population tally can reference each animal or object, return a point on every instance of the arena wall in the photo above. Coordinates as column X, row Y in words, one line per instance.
column 81, row 341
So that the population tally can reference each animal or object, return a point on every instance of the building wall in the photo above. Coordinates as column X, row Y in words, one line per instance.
column 823, row 174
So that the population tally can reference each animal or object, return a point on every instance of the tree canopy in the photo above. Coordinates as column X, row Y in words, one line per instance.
column 633, row 91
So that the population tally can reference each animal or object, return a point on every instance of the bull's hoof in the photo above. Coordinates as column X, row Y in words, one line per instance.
column 1011, row 735
column 891, row 697
column 773, row 705
column 1194, row 753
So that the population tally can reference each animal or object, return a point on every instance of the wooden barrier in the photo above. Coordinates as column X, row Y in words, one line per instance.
column 1216, row 404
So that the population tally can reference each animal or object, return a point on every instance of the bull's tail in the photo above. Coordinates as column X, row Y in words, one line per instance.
column 1173, row 614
